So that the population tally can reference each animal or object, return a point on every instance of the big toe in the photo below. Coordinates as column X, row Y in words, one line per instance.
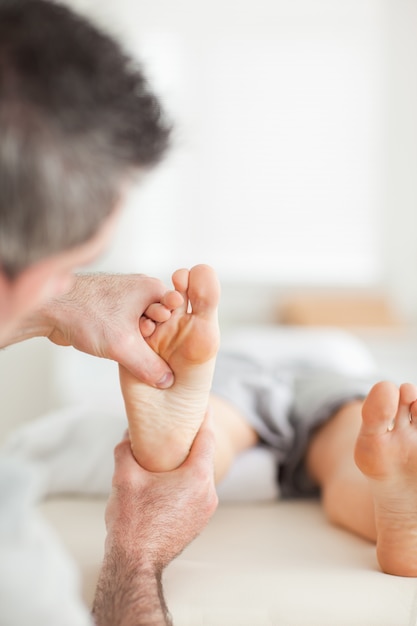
column 380, row 408
column 203, row 290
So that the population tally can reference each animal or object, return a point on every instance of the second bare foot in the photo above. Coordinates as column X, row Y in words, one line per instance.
column 386, row 452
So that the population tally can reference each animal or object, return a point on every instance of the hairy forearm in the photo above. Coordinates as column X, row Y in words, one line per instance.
column 129, row 594
column 43, row 322
column 66, row 318
column 37, row 325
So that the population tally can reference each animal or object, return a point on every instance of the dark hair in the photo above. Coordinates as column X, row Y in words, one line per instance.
column 77, row 119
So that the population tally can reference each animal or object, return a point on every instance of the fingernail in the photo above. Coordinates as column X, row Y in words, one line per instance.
column 166, row 381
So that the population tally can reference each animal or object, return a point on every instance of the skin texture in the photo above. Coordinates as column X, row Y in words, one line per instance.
column 365, row 461
column 148, row 523
column 163, row 423
column 129, row 591
column 98, row 314
column 386, row 453
column 364, row 458
column 69, row 146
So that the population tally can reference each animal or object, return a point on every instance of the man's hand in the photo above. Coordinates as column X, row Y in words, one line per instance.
column 155, row 515
column 100, row 316
column 150, row 519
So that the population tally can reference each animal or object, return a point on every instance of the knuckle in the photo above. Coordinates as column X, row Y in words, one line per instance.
column 120, row 451
column 203, row 469
column 200, row 473
column 153, row 283
column 212, row 502
column 202, row 492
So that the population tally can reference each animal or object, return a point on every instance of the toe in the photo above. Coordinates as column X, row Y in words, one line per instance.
column 172, row 300
column 413, row 412
column 203, row 290
column 158, row 312
column 408, row 395
column 180, row 280
column 146, row 327
column 380, row 408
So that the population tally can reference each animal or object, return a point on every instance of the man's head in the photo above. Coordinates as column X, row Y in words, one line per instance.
column 76, row 121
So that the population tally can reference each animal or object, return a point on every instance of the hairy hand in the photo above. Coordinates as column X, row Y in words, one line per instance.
column 154, row 516
column 100, row 316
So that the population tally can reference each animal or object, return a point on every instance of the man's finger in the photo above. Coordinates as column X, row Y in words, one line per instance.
column 145, row 364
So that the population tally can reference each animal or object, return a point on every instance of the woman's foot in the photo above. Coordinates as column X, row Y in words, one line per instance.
column 164, row 422
column 386, row 452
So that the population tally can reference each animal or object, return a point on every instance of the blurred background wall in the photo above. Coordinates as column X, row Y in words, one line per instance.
column 293, row 167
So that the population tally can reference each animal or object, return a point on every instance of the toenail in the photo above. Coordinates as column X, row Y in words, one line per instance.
column 391, row 426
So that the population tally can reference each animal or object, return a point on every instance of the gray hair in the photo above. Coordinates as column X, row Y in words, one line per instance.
column 77, row 119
